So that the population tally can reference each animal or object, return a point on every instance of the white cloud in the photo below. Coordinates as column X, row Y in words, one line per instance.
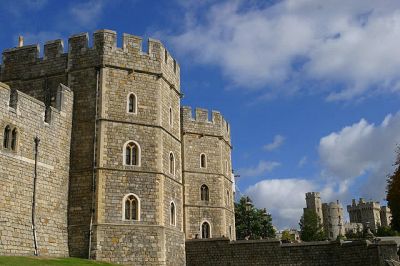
column 283, row 198
column 362, row 150
column 261, row 168
column 349, row 46
column 276, row 143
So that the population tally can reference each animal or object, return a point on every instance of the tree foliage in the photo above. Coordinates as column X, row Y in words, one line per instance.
column 386, row 231
column 310, row 227
column 287, row 237
column 252, row 223
column 393, row 194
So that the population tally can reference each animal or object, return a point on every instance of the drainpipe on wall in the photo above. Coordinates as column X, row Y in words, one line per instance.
column 36, row 140
column 94, row 162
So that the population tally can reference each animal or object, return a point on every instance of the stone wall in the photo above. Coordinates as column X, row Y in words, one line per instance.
column 265, row 252
column 27, row 116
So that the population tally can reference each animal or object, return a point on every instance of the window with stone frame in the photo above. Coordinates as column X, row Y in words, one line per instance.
column 132, row 154
column 171, row 163
column 172, row 214
column 6, row 137
column 205, row 230
column 131, row 208
column 203, row 161
column 204, row 193
column 132, row 103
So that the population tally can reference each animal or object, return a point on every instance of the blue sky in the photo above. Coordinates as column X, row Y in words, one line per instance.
column 310, row 88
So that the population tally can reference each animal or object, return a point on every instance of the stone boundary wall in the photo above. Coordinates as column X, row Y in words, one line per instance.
column 221, row 252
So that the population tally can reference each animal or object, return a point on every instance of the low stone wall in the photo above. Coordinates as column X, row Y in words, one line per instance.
column 271, row 252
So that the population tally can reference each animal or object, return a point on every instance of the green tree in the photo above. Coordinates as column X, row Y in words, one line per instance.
column 393, row 194
column 287, row 237
column 252, row 223
column 386, row 231
column 310, row 227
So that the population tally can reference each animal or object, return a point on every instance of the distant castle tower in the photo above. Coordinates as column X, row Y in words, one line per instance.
column 330, row 214
column 313, row 202
column 369, row 214
column 333, row 219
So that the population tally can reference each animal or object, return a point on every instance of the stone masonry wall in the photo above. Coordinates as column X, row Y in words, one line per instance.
column 27, row 114
column 263, row 252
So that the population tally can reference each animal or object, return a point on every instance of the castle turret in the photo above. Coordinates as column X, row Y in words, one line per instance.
column 313, row 202
column 207, row 171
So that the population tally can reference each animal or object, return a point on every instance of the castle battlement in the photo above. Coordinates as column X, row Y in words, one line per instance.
column 310, row 195
column 362, row 204
column 19, row 102
column 202, row 124
column 104, row 52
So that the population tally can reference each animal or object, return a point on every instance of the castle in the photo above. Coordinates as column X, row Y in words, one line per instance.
column 369, row 214
column 99, row 160
column 362, row 215
column 330, row 214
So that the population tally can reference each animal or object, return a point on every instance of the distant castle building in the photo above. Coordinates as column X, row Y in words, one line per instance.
column 122, row 173
column 369, row 214
column 330, row 214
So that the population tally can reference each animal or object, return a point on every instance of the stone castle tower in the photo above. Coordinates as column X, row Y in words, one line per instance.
column 313, row 202
column 330, row 215
column 143, row 174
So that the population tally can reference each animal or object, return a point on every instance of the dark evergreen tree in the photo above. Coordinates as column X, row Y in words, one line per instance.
column 310, row 227
column 393, row 194
column 252, row 223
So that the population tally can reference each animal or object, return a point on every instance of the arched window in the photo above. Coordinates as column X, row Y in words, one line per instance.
column 132, row 153
column 6, row 137
column 170, row 116
column 205, row 230
column 171, row 163
column 14, row 139
column 172, row 214
column 131, row 208
column 203, row 161
column 204, row 193
column 132, row 103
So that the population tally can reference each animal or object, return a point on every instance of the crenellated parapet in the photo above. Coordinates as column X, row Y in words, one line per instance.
column 203, row 124
column 20, row 103
column 104, row 53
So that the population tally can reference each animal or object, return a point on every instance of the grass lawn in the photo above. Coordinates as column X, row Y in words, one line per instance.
column 43, row 261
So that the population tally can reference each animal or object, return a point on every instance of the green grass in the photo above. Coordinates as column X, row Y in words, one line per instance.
column 43, row 261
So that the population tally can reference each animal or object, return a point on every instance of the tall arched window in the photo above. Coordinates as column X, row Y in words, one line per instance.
column 6, row 137
column 172, row 214
column 204, row 193
column 132, row 153
column 205, row 230
column 14, row 139
column 171, row 163
column 132, row 103
column 131, row 207
column 203, row 161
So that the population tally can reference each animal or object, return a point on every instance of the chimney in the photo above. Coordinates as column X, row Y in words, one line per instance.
column 20, row 41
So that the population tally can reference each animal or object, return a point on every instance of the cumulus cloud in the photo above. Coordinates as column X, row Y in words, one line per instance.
column 362, row 150
column 348, row 46
column 283, row 198
column 262, row 168
column 276, row 143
